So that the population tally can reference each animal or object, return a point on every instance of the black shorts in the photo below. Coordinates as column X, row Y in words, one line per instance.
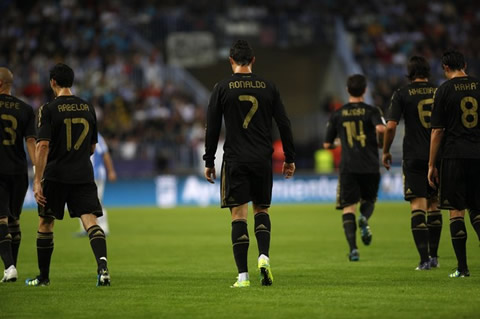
column 12, row 194
column 80, row 199
column 459, row 184
column 245, row 182
column 354, row 187
column 415, row 180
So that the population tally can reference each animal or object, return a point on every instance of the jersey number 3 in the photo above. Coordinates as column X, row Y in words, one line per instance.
column 10, row 130
column 252, row 111
column 81, row 138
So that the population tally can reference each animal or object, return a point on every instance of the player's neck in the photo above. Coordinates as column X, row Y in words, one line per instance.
column 356, row 99
column 420, row 80
column 64, row 92
column 242, row 69
column 6, row 91
column 457, row 74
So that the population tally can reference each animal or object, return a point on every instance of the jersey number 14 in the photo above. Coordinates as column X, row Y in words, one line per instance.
column 353, row 134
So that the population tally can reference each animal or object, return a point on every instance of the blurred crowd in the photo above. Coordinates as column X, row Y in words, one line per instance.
column 388, row 32
column 141, row 113
column 145, row 114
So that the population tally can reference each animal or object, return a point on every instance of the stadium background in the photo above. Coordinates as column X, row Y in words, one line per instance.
column 148, row 67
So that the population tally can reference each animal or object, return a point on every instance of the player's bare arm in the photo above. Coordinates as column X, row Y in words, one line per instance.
column 435, row 141
column 31, row 149
column 111, row 173
column 41, row 153
column 380, row 130
column 387, row 143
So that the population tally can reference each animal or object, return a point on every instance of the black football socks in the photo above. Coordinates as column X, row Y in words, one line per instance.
column 350, row 227
column 459, row 241
column 434, row 223
column 366, row 209
column 240, row 243
column 262, row 232
column 5, row 245
column 44, row 253
column 475, row 221
column 99, row 245
column 420, row 233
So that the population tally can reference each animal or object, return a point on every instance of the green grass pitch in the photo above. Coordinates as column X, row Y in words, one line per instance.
column 177, row 263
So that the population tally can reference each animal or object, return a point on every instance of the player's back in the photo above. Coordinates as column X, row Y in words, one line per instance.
column 415, row 102
column 249, row 103
column 356, row 127
column 459, row 98
column 16, row 123
column 70, row 124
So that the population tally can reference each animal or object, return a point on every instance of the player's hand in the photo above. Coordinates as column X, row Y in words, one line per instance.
column 387, row 160
column 210, row 174
column 112, row 176
column 288, row 169
column 38, row 193
column 433, row 179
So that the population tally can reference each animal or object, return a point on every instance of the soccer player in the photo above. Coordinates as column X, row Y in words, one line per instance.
column 67, row 135
column 414, row 101
column 247, row 102
column 357, row 124
column 455, row 126
column 17, row 122
column 102, row 169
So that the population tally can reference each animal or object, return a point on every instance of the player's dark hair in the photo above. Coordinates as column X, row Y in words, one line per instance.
column 356, row 85
column 63, row 75
column 418, row 68
column 241, row 52
column 454, row 60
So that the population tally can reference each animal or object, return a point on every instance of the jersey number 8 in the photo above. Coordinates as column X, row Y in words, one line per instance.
column 469, row 115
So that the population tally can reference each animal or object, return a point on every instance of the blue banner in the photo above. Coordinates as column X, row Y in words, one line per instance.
column 171, row 190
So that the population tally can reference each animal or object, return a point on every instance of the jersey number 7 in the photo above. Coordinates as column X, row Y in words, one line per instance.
column 252, row 111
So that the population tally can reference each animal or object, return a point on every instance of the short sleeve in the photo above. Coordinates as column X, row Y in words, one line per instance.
column 94, row 139
column 377, row 117
column 30, row 124
column 395, row 109
column 331, row 131
column 44, row 123
column 438, row 118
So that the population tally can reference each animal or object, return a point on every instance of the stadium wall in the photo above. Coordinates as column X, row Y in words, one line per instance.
column 170, row 190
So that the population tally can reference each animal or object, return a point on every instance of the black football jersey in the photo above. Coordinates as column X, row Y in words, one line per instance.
column 456, row 108
column 355, row 124
column 17, row 122
column 70, row 124
column 247, row 103
column 414, row 101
